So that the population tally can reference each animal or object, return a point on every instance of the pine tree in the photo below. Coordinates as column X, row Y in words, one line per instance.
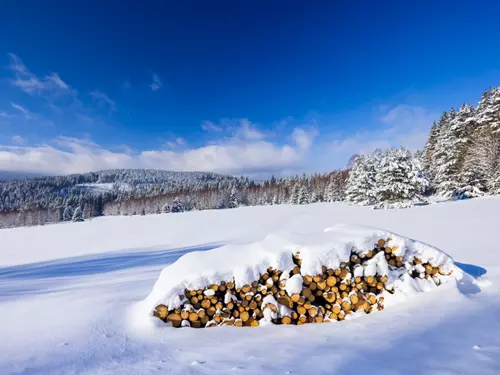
column 453, row 141
column 314, row 197
column 430, row 151
column 303, row 195
column 68, row 213
column 294, row 199
column 361, row 185
column 166, row 208
column 233, row 198
column 78, row 214
column 494, row 182
column 488, row 119
column 330, row 192
column 488, row 110
column 177, row 205
column 399, row 177
column 477, row 165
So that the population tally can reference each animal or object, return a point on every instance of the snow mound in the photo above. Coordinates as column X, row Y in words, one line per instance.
column 297, row 278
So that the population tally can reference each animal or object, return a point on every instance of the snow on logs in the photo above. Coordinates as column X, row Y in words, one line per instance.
column 289, row 279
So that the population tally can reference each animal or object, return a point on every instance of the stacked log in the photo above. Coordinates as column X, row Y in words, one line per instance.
column 332, row 295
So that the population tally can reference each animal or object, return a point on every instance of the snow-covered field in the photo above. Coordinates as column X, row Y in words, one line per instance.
column 66, row 292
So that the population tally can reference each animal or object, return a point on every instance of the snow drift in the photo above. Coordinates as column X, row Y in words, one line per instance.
column 331, row 275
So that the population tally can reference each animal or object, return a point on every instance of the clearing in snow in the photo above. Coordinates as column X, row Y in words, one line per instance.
column 69, row 296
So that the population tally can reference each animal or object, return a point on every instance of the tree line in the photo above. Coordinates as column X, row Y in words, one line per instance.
column 461, row 159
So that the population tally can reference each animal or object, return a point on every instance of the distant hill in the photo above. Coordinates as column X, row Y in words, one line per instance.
column 51, row 199
column 12, row 175
column 53, row 192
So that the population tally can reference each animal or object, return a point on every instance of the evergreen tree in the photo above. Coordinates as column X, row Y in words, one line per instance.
column 68, row 213
column 177, row 205
column 330, row 192
column 361, row 183
column 233, row 198
column 488, row 110
column 275, row 200
column 303, row 195
column 314, row 197
column 477, row 167
column 399, row 177
column 454, row 139
column 166, row 208
column 430, row 151
column 488, row 119
column 78, row 214
column 294, row 199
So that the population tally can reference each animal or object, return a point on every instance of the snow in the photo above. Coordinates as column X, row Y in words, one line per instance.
column 294, row 285
column 103, row 186
column 69, row 293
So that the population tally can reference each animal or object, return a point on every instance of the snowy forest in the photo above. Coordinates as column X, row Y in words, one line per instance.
column 36, row 201
column 461, row 159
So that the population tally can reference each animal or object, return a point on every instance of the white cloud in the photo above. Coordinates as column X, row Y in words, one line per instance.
column 16, row 64
column 103, row 100
column 54, row 77
column 408, row 125
column 249, row 131
column 304, row 138
column 19, row 108
column 400, row 125
column 242, row 129
column 209, row 126
column 31, row 84
column 178, row 142
column 22, row 109
column 240, row 147
column 5, row 115
column 248, row 158
column 156, row 84
column 69, row 155
column 17, row 140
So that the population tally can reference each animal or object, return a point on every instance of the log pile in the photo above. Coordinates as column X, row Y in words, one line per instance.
column 329, row 296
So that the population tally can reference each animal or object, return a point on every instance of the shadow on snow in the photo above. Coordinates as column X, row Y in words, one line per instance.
column 474, row 271
column 97, row 263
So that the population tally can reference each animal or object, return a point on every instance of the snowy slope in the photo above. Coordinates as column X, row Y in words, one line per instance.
column 66, row 293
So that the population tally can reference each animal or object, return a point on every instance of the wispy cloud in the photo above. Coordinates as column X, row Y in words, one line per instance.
column 21, row 109
column 176, row 143
column 209, row 126
column 395, row 126
column 5, row 115
column 32, row 84
column 249, row 131
column 103, row 100
column 242, row 129
column 407, row 125
column 156, row 84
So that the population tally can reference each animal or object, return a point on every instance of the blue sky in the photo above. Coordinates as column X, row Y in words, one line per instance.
column 242, row 87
